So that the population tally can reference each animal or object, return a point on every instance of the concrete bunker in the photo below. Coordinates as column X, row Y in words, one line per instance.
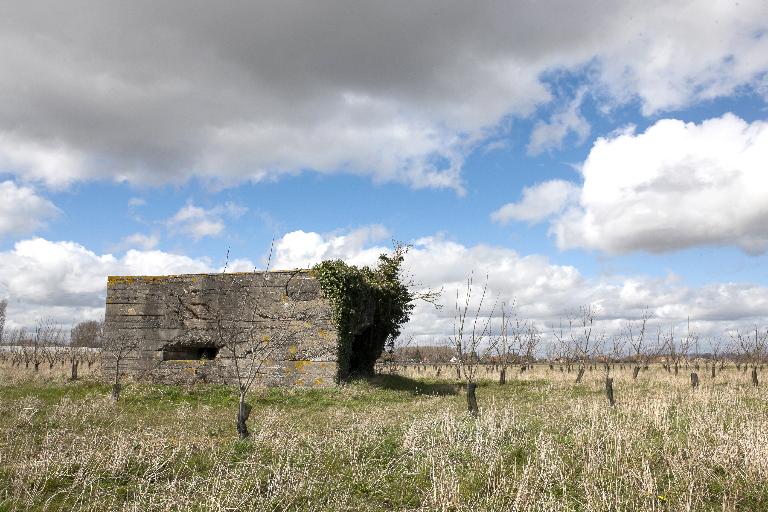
column 177, row 322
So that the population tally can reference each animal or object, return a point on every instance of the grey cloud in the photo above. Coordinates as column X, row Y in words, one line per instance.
column 551, row 134
column 153, row 92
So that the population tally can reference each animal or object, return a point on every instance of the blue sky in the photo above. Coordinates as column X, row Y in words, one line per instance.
column 609, row 155
column 100, row 215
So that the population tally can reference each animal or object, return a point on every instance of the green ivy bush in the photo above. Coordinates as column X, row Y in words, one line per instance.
column 369, row 307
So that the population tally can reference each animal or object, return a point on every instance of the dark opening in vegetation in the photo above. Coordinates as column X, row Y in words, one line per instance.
column 189, row 353
column 365, row 350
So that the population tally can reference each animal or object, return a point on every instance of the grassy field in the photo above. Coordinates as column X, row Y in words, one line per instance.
column 390, row 443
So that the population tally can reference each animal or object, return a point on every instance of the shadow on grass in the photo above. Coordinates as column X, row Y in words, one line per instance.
column 413, row 386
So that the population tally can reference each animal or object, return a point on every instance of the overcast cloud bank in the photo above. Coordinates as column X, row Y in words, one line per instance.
column 151, row 93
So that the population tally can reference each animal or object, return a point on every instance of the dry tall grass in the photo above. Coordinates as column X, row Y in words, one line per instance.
column 541, row 443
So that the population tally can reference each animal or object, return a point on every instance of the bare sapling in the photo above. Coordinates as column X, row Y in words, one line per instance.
column 716, row 349
column 679, row 347
column 53, row 350
column 34, row 350
column 250, row 351
column 551, row 353
column 672, row 355
column 609, row 391
column 117, row 347
column 531, row 343
column 516, row 342
column 503, row 343
column 92, row 356
column 237, row 321
column 18, row 340
column 6, row 352
column 635, row 333
column 44, row 343
column 689, row 341
column 467, row 338
column 74, row 356
column 752, row 347
column 614, row 351
column 676, row 348
column 563, row 350
column 84, row 337
column 3, row 310
column 581, row 338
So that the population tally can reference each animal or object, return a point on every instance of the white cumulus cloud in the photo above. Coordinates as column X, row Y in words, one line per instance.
column 22, row 209
column 539, row 202
column 300, row 249
column 68, row 281
column 544, row 292
column 676, row 185
column 197, row 222
column 141, row 240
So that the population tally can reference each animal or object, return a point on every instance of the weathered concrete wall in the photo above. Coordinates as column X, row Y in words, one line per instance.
column 171, row 315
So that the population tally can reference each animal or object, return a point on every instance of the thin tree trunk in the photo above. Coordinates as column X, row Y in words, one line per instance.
column 609, row 390
column 503, row 376
column 580, row 375
column 755, row 382
column 74, row 370
column 116, row 385
column 243, row 412
column 472, row 399
column 694, row 380
column 635, row 372
column 713, row 370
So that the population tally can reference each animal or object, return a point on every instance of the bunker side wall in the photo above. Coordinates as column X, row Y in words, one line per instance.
column 169, row 315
